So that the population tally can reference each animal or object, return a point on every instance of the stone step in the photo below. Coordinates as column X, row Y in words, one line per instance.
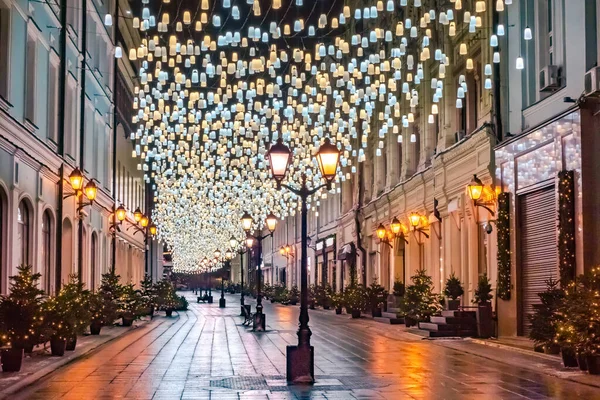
column 438, row 334
column 393, row 310
column 391, row 321
column 430, row 326
column 463, row 314
column 388, row 314
column 454, row 320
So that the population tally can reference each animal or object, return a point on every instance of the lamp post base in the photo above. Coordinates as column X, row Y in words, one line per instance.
column 259, row 323
column 222, row 303
column 300, row 367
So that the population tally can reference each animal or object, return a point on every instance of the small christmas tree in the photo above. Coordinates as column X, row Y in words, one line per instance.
column 545, row 317
column 68, row 313
column 130, row 302
column 104, row 304
column 148, row 294
column 21, row 319
column 453, row 289
column 483, row 293
column 420, row 301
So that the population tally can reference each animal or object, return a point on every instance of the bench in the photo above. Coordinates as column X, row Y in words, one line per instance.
column 203, row 298
column 247, row 314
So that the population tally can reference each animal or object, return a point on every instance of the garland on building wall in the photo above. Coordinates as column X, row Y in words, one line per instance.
column 566, row 226
column 504, row 263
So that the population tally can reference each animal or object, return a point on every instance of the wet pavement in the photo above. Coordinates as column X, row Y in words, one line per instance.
column 206, row 353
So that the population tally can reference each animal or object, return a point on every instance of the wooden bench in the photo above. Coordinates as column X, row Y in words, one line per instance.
column 247, row 314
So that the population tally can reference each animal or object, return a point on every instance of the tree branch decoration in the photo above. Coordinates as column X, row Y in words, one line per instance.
column 566, row 226
column 503, row 257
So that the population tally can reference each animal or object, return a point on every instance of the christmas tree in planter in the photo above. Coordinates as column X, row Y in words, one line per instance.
column 148, row 295
column 21, row 319
column 420, row 303
column 545, row 317
column 104, row 304
column 67, row 315
column 130, row 304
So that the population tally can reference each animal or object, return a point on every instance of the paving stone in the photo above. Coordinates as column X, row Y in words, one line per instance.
column 206, row 353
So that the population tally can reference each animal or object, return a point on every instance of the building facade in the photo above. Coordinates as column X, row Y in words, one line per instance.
column 531, row 139
column 57, row 114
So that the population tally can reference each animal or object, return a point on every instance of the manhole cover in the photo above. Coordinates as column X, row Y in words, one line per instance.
column 277, row 383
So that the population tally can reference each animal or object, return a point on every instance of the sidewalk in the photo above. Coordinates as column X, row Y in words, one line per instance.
column 516, row 356
column 40, row 363
column 515, row 352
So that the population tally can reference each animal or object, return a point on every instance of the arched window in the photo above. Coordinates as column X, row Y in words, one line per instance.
column 23, row 233
column 47, row 251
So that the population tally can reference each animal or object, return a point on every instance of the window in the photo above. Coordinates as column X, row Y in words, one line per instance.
column 23, row 230
column 30, row 78
column 53, row 79
column 69, row 132
column 4, row 49
column 47, row 251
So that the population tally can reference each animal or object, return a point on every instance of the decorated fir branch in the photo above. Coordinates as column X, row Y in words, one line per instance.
column 566, row 226
column 504, row 284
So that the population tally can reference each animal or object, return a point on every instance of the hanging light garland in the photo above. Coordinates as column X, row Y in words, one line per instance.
column 219, row 84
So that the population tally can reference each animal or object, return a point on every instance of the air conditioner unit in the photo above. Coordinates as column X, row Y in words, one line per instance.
column 549, row 78
column 591, row 83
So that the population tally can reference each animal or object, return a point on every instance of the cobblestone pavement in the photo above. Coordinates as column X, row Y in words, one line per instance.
column 206, row 353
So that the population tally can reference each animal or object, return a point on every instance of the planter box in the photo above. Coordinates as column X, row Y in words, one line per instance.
column 376, row 312
column 12, row 359
column 95, row 328
column 355, row 313
column 452, row 305
column 71, row 343
column 485, row 322
column 58, row 346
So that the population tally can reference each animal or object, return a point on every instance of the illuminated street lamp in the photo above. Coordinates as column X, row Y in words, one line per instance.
column 300, row 358
column 137, row 215
column 247, row 222
column 416, row 221
column 475, row 190
column 271, row 222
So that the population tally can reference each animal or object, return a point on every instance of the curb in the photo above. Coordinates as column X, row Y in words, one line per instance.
column 74, row 356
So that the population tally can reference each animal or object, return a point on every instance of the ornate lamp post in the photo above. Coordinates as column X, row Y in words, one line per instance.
column 259, row 322
column 241, row 250
column 300, row 358
column 226, row 265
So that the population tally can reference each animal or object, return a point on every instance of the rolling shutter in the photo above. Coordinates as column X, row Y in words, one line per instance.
column 539, row 250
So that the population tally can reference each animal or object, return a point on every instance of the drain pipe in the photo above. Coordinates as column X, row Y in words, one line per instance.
column 357, row 208
column 82, row 133
column 62, row 46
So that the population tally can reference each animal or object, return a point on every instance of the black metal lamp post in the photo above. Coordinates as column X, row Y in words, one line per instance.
column 300, row 358
column 241, row 250
column 259, row 322
column 226, row 265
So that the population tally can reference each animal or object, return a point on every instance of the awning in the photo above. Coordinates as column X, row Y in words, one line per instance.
column 347, row 251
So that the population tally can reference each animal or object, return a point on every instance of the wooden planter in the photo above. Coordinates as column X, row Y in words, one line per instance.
column 127, row 321
column 355, row 313
column 169, row 312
